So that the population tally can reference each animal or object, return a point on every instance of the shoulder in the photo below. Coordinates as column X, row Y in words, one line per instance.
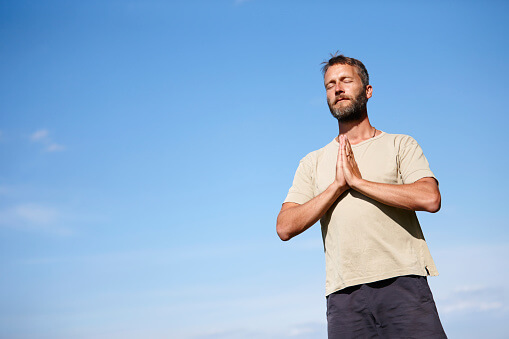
column 400, row 141
column 313, row 157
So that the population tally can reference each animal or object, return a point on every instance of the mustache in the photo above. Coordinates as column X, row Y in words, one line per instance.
column 341, row 97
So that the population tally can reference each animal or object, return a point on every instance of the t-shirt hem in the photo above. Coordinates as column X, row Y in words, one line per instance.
column 298, row 198
column 417, row 175
column 366, row 280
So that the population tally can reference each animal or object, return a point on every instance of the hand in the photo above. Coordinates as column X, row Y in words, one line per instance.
column 340, row 178
column 351, row 171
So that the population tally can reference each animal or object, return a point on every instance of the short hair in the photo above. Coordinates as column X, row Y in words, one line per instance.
column 340, row 59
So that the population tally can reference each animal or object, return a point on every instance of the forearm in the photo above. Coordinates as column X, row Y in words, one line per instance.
column 422, row 195
column 295, row 219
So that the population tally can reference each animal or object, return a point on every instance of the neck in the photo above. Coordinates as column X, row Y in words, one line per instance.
column 357, row 131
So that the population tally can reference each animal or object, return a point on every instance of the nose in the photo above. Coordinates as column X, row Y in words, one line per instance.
column 338, row 88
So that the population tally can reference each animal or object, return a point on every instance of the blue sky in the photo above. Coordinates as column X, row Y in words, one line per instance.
column 147, row 147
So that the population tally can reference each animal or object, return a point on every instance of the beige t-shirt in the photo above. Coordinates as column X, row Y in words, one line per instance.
column 365, row 240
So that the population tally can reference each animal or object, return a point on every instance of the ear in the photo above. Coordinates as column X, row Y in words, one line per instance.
column 369, row 91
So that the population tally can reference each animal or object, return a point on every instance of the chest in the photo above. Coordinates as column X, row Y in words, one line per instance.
column 377, row 164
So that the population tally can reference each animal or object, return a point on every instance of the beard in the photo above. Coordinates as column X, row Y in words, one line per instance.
column 354, row 111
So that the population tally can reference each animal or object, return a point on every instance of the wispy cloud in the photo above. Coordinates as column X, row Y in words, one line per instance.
column 471, row 282
column 33, row 217
column 308, row 330
column 474, row 298
column 42, row 136
column 297, row 331
column 472, row 306
column 54, row 147
column 227, row 334
column 469, row 289
column 36, row 214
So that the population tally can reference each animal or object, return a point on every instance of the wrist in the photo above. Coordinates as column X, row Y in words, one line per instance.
column 357, row 183
column 339, row 188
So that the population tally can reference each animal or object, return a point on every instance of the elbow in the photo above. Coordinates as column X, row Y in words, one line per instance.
column 282, row 231
column 434, row 203
column 284, row 237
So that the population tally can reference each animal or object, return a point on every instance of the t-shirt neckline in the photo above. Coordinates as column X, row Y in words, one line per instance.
column 362, row 142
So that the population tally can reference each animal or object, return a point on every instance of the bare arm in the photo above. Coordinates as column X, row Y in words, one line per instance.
column 422, row 195
column 293, row 219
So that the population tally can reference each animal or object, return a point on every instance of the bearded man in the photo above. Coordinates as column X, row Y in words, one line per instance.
column 364, row 187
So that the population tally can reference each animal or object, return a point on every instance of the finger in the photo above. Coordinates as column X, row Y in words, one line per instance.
column 344, row 158
column 353, row 163
column 340, row 154
column 349, row 147
column 342, row 150
column 339, row 151
column 343, row 144
column 340, row 145
column 351, row 159
column 345, row 141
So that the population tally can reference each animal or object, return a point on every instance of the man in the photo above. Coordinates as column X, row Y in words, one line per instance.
column 365, row 187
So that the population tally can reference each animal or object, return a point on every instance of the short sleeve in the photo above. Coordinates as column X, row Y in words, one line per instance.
column 412, row 163
column 302, row 188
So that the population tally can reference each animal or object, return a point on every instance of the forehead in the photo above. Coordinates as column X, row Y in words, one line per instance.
column 339, row 71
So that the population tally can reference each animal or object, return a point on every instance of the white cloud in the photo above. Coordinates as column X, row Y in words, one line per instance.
column 42, row 136
column 33, row 217
column 311, row 330
column 54, row 147
column 469, row 289
column 35, row 214
column 296, row 331
column 472, row 280
column 472, row 306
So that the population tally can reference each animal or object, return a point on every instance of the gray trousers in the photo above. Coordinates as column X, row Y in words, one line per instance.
column 401, row 307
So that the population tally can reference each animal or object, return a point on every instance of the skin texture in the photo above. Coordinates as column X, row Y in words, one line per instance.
column 346, row 95
column 343, row 86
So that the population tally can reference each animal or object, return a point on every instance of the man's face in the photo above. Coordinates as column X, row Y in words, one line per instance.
column 346, row 95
